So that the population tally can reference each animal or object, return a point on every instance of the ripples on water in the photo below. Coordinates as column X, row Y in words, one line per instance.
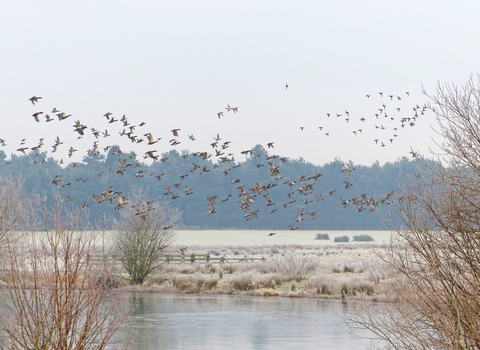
column 179, row 321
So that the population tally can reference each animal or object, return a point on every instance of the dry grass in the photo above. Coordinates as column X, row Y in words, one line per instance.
column 288, row 271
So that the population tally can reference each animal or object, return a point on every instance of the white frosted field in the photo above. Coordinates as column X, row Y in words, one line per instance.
column 261, row 237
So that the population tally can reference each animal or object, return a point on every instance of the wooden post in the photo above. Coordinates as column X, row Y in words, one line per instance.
column 192, row 258
column 207, row 257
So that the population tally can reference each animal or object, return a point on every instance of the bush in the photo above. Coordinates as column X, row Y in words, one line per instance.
column 324, row 289
column 323, row 236
column 341, row 239
column 291, row 267
column 206, row 282
column 274, row 250
column 242, row 281
column 355, row 289
column 183, row 282
column 269, row 280
column 363, row 238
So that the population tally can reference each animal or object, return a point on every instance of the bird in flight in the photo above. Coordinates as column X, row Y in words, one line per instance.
column 34, row 99
column 286, row 86
column 413, row 153
column 35, row 115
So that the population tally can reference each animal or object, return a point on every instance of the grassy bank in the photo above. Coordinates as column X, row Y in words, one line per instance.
column 328, row 271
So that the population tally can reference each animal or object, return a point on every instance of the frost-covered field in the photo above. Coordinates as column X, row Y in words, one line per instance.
column 261, row 237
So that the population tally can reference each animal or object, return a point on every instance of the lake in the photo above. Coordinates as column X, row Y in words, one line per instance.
column 180, row 321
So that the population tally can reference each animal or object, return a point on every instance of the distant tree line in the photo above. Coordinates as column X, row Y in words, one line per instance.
column 189, row 182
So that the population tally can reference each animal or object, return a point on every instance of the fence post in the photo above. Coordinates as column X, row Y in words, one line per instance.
column 207, row 257
column 192, row 258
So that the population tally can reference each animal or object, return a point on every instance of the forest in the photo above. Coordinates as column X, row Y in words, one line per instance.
column 263, row 191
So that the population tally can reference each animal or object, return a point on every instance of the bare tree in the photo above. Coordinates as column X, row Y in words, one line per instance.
column 434, row 299
column 145, row 229
column 57, row 296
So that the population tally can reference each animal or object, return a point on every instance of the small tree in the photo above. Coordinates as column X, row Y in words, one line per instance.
column 56, row 295
column 142, row 233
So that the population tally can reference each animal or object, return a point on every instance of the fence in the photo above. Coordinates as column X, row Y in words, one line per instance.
column 205, row 258
column 193, row 258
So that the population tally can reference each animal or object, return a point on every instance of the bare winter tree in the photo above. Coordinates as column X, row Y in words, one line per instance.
column 57, row 296
column 434, row 299
column 144, row 230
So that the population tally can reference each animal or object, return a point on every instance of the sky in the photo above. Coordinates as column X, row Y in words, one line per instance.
column 176, row 64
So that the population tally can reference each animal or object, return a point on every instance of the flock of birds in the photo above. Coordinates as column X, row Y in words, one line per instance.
column 390, row 120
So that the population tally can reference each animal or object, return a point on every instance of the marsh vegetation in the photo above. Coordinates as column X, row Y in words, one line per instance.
column 328, row 271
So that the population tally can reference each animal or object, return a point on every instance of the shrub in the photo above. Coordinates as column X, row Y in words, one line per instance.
column 268, row 280
column 229, row 269
column 207, row 282
column 363, row 238
column 341, row 239
column 292, row 267
column 324, row 289
column 183, row 282
column 267, row 293
column 322, row 236
column 242, row 281
column 363, row 288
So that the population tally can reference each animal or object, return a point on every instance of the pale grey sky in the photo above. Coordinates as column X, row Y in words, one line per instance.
column 175, row 64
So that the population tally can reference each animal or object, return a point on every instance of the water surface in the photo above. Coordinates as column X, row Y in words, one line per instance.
column 179, row 321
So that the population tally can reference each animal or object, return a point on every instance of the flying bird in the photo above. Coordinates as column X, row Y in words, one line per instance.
column 34, row 99
column 35, row 115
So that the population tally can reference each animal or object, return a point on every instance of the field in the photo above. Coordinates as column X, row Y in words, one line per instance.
column 261, row 237
column 295, row 264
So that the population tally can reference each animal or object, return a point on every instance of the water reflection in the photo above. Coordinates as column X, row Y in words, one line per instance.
column 179, row 321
